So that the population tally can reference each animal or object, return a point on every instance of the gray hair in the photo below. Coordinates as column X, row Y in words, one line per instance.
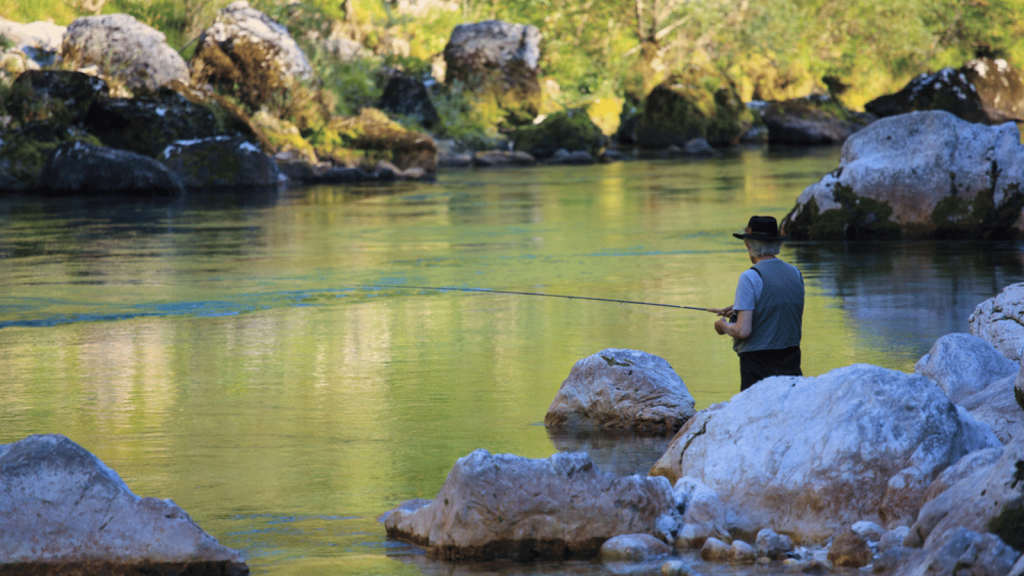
column 759, row 248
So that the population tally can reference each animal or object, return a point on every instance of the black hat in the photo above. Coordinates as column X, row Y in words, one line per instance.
column 764, row 228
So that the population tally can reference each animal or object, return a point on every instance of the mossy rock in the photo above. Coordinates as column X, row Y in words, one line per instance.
column 571, row 130
column 857, row 219
column 958, row 218
column 284, row 136
column 680, row 110
column 57, row 96
column 221, row 162
column 372, row 136
column 149, row 124
column 23, row 152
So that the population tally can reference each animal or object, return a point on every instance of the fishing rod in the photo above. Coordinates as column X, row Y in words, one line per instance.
column 491, row 291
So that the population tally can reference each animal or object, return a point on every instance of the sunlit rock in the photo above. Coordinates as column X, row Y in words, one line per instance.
column 962, row 365
column 65, row 512
column 625, row 389
column 43, row 35
column 247, row 53
column 124, row 49
column 1000, row 321
column 504, row 505
column 923, row 174
column 856, row 443
column 498, row 62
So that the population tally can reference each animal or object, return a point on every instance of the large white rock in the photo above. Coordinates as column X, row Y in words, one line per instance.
column 503, row 505
column 997, row 407
column 940, row 175
column 810, row 456
column 62, row 507
column 962, row 365
column 989, row 500
column 704, row 514
column 126, row 49
column 622, row 389
column 42, row 35
column 1000, row 321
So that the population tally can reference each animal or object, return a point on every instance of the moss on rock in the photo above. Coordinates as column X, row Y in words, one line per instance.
column 979, row 218
column 372, row 136
column 571, row 130
column 858, row 218
column 680, row 110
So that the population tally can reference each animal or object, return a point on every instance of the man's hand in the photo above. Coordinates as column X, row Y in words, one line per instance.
column 721, row 311
column 720, row 326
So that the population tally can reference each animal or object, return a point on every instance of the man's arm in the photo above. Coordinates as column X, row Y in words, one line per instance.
column 740, row 329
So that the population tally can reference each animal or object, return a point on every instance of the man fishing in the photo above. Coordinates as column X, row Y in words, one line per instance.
column 769, row 308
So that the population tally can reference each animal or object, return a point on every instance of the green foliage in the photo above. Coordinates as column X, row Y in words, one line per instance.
column 571, row 130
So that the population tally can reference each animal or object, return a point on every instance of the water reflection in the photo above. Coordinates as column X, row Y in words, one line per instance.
column 618, row 451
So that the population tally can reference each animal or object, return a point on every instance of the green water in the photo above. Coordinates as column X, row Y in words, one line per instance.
column 218, row 350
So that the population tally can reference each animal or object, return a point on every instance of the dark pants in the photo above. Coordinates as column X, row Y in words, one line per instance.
column 760, row 364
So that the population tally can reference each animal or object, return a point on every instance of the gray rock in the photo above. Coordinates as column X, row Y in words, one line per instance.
column 893, row 538
column 124, row 48
column 857, row 443
column 715, row 550
column 849, row 549
column 966, row 466
column 989, row 500
column 633, row 547
column 220, row 162
column 1000, row 321
column 699, row 147
column 500, row 158
column 65, row 511
column 1018, row 568
column 962, row 365
column 869, row 531
column 997, row 406
column 704, row 514
column 574, row 158
column 677, row 568
column 79, row 167
column 625, row 389
column 148, row 125
column 957, row 551
column 743, row 553
column 770, row 544
column 811, row 121
column 507, row 506
column 917, row 175
column 246, row 48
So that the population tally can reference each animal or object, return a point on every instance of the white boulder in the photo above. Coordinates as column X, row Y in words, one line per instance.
column 810, row 456
column 1000, row 321
column 64, row 511
column 962, row 365
column 998, row 407
column 504, row 505
column 704, row 515
column 42, row 35
column 626, row 389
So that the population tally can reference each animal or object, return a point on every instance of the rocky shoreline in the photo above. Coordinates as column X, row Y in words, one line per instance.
column 861, row 467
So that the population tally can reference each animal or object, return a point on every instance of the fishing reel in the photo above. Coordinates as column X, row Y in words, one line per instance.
column 733, row 316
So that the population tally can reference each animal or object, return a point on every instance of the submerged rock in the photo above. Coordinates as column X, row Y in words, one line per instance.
column 626, row 389
column 502, row 158
column 962, row 365
column 923, row 174
column 856, row 443
column 65, row 512
column 1000, row 321
column 504, row 505
column 633, row 547
column 126, row 49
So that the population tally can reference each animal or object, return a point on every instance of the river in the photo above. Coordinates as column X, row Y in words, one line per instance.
column 226, row 352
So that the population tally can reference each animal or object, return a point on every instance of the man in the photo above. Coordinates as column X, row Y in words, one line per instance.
column 768, row 309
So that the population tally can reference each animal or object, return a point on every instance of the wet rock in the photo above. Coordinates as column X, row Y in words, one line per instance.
column 57, row 96
column 632, row 547
column 80, row 168
column 948, row 90
column 124, row 49
column 507, row 506
column 148, row 125
column 999, row 88
column 704, row 514
column 502, row 158
column 699, row 147
column 1000, row 322
column 681, row 109
column 919, row 175
column 991, row 499
column 246, row 48
column 571, row 130
column 997, row 406
column 810, row 121
column 498, row 62
column 626, row 389
column 849, row 549
column 772, row 545
column 575, row 158
column 677, row 568
column 65, row 512
column 715, row 550
column 409, row 97
column 220, row 162
column 857, row 443
column 962, row 365
column 957, row 551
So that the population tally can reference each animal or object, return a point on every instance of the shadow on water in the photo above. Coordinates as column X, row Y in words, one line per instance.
column 622, row 452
